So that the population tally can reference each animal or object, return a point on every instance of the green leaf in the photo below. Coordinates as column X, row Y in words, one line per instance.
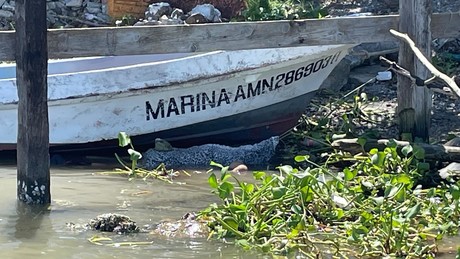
column 123, row 139
column 258, row 175
column 216, row 164
column 455, row 191
column 392, row 144
column 401, row 195
column 212, row 180
column 237, row 208
column 419, row 152
column 378, row 159
column 301, row 158
column 373, row 151
column 403, row 178
column 249, row 188
column 378, row 200
column 339, row 213
column 225, row 176
column 230, row 221
column 406, row 150
column 294, row 233
column 366, row 215
column 225, row 189
column 391, row 191
column 134, row 155
column 279, row 192
column 412, row 212
column 423, row 166
column 349, row 174
column 296, row 209
column 362, row 141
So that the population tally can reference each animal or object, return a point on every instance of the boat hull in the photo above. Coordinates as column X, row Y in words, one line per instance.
column 245, row 104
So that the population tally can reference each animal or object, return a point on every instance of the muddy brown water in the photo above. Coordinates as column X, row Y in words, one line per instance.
column 81, row 193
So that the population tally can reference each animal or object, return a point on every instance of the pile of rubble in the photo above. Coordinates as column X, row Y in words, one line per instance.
column 163, row 14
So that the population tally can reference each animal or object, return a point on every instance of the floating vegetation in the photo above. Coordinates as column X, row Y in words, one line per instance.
column 375, row 207
column 110, row 222
column 133, row 171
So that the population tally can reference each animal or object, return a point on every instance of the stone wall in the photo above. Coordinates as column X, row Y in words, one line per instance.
column 62, row 13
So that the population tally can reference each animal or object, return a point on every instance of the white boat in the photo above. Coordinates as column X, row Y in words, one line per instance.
column 225, row 97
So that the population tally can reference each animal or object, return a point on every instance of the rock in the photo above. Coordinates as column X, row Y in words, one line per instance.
column 8, row 7
column 196, row 18
column 2, row 2
column 155, row 11
column 211, row 13
column 50, row 6
column 74, row 3
column 177, row 14
column 93, row 8
column 6, row 14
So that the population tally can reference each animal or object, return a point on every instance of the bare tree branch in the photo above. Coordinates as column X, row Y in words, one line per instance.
column 449, row 81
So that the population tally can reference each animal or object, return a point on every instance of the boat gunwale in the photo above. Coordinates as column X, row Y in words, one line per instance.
column 177, row 84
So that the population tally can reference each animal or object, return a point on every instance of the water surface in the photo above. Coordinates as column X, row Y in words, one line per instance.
column 79, row 194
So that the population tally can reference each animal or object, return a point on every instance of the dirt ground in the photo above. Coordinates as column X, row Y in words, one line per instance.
column 382, row 101
column 379, row 110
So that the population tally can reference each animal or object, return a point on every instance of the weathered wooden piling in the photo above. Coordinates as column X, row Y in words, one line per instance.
column 414, row 102
column 33, row 175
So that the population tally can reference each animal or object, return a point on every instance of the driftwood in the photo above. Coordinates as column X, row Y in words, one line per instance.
column 436, row 73
column 432, row 152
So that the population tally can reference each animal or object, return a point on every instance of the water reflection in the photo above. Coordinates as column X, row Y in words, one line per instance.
column 80, row 194
column 30, row 219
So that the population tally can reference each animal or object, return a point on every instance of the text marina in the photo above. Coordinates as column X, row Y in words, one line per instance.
column 202, row 101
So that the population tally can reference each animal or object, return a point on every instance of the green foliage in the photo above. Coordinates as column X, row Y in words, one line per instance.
column 260, row 10
column 134, row 170
column 373, row 208
column 447, row 63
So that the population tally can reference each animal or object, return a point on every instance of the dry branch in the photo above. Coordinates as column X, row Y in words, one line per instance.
column 432, row 152
column 449, row 81
column 415, row 80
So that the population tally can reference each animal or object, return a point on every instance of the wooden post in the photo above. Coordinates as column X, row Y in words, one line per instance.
column 33, row 173
column 414, row 102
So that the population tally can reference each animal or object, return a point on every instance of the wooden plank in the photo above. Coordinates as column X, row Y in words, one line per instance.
column 414, row 102
column 64, row 43
column 33, row 162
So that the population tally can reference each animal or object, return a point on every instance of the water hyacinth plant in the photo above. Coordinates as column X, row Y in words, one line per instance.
column 133, row 170
column 378, row 206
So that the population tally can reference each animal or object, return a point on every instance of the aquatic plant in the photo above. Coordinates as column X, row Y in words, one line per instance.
column 134, row 171
column 373, row 208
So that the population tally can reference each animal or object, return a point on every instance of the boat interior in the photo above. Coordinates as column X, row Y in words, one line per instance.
column 74, row 65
